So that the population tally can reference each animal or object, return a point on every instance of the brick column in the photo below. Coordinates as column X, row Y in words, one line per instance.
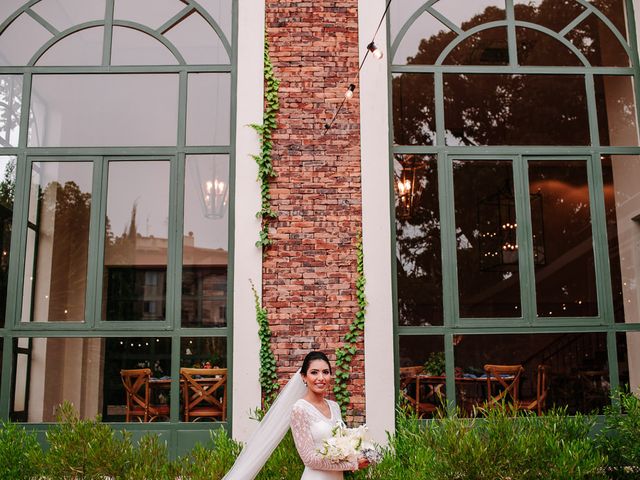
column 309, row 273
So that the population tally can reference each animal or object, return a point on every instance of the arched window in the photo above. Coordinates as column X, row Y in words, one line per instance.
column 116, row 155
column 515, row 134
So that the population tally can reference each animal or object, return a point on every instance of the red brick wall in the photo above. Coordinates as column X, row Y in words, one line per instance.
column 309, row 272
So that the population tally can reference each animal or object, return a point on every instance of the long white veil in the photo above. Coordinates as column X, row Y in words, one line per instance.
column 269, row 433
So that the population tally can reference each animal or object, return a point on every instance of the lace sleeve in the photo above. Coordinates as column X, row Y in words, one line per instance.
column 301, row 429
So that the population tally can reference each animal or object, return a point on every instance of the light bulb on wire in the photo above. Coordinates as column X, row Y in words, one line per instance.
column 375, row 51
column 349, row 93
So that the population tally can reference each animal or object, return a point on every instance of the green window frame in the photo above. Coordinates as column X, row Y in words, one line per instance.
column 528, row 322
column 181, row 436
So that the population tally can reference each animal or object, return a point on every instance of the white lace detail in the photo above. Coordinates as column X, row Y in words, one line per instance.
column 310, row 427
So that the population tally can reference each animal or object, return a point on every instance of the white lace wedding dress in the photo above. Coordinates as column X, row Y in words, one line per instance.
column 310, row 427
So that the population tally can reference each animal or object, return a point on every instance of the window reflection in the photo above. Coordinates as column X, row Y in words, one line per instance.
column 572, row 367
column 133, row 47
column 488, row 47
column 197, row 41
column 414, row 117
column 104, row 110
column 536, row 48
column 136, row 241
column 418, row 259
column 616, row 110
column 598, row 43
column 565, row 282
column 486, row 243
column 515, row 110
column 205, row 241
column 80, row 48
column 621, row 175
column 55, row 277
column 209, row 109
column 7, row 192
column 21, row 40
column 629, row 360
column 553, row 14
column 10, row 108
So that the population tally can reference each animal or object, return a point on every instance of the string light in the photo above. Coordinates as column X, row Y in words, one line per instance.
column 371, row 49
column 375, row 51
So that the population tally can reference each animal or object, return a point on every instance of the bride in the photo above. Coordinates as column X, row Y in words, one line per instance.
column 303, row 406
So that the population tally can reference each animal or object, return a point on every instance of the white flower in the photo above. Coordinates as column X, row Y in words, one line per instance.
column 346, row 444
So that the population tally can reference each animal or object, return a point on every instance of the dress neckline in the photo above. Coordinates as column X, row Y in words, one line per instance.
column 330, row 417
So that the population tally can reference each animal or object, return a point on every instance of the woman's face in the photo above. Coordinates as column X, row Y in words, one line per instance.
column 318, row 377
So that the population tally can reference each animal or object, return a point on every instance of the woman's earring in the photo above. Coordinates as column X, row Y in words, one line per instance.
column 305, row 383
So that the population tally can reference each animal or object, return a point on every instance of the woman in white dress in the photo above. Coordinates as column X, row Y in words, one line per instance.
column 313, row 417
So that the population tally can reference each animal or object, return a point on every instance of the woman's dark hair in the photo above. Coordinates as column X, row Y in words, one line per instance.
column 311, row 356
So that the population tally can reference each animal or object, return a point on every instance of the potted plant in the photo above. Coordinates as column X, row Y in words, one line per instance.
column 435, row 364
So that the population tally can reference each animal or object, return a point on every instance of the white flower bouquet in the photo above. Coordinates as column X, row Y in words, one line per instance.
column 349, row 444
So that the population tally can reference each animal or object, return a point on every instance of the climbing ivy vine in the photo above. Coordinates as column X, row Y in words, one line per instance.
column 345, row 354
column 268, row 376
column 263, row 159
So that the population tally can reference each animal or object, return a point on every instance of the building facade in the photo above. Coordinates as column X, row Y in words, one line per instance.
column 489, row 162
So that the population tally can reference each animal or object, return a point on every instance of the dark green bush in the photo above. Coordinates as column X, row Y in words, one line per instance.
column 151, row 461
column 498, row 445
column 619, row 439
column 20, row 453
column 211, row 461
column 86, row 449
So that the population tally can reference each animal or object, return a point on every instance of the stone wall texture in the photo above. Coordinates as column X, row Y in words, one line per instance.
column 310, row 271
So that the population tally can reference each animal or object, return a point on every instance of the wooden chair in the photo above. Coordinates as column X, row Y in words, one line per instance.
column 138, row 395
column 508, row 383
column 204, row 393
column 427, row 405
column 538, row 403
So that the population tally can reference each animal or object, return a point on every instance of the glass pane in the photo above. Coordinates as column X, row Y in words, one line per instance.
column 132, row 47
column 422, row 374
column 197, row 41
column 59, row 217
column 615, row 100
column 621, row 178
column 565, row 275
column 205, row 241
column 10, row 107
column 136, row 241
column 21, row 40
column 539, row 49
column 399, row 13
column 221, row 12
column 423, row 42
column 486, row 244
column 209, row 109
column 207, row 388
column 515, row 110
column 151, row 13
column 418, row 260
column 615, row 11
column 472, row 13
column 629, row 360
column 63, row 14
column 7, row 193
column 553, row 14
column 87, row 373
column 488, row 47
column 8, row 7
column 104, row 110
column 598, row 43
column 81, row 48
column 414, row 118
column 572, row 369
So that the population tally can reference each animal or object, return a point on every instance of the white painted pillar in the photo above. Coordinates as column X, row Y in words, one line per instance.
column 376, row 220
column 247, row 258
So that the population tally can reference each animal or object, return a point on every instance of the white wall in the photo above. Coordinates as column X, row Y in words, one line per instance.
column 247, row 258
column 376, row 225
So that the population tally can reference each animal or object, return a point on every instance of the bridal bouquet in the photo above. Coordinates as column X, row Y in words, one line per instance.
column 349, row 444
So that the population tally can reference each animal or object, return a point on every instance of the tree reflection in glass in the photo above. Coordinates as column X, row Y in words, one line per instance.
column 418, row 260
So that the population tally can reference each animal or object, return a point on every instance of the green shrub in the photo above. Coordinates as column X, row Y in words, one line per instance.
column 620, row 437
column 151, row 461
column 498, row 445
column 212, row 461
column 284, row 463
column 85, row 449
column 20, row 452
